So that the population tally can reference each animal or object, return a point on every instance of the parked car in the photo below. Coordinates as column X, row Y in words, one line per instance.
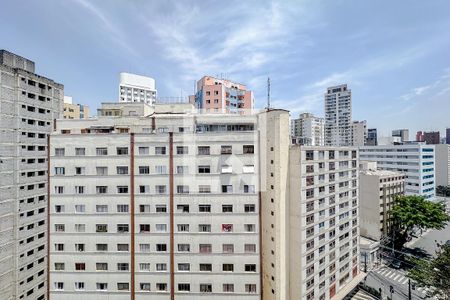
column 396, row 264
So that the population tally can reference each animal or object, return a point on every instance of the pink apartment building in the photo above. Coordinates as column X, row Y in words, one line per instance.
column 222, row 95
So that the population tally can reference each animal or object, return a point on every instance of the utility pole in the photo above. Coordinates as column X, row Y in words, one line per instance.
column 409, row 289
column 365, row 262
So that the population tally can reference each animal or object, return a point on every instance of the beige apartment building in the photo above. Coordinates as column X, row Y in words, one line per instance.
column 169, row 203
column 74, row 111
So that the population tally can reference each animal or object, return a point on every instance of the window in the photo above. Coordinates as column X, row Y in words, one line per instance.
column 102, row 286
column 161, row 227
column 161, row 267
column 101, row 228
column 184, row 267
column 59, row 151
column 250, row 288
column 227, row 208
column 205, row 267
column 123, row 189
column 249, row 189
column 101, row 189
column 184, row 287
column 59, row 266
column 250, row 268
column 144, row 208
column 226, row 169
column 144, row 286
column 60, row 171
column 227, row 188
column 121, row 228
column 80, row 151
column 248, row 149
column 80, row 170
column 249, row 208
column 59, row 286
column 204, row 169
column 227, row 248
column 204, row 228
column 59, row 190
column 250, row 248
column 249, row 227
column 122, row 267
column 79, row 189
column 123, row 286
column 79, row 286
column 160, row 189
column 101, row 151
column 122, row 247
column 203, row 150
column 122, row 208
column 161, row 247
column 59, row 247
column 204, row 208
column 182, row 189
column 80, row 266
column 144, row 189
column 144, row 266
column 122, row 170
column 101, row 208
column 80, row 208
column 205, row 288
column 184, row 208
column 183, row 227
column 228, row 288
column 227, row 227
column 102, row 171
column 160, row 169
column 144, row 228
column 122, row 150
column 182, row 169
column 161, row 208
column 102, row 247
column 59, row 208
column 161, row 286
column 205, row 248
column 226, row 150
column 248, row 169
column 160, row 150
column 144, row 170
column 184, row 248
column 79, row 247
column 143, row 151
column 182, row 150
column 144, row 247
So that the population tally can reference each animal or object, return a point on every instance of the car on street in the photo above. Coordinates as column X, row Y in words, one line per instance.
column 396, row 264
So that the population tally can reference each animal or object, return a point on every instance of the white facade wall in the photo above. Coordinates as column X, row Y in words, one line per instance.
column 137, row 88
column 359, row 133
column 442, row 164
column 417, row 161
column 338, row 116
column 308, row 129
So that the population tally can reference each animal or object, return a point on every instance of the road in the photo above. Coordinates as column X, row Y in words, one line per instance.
column 427, row 241
column 385, row 277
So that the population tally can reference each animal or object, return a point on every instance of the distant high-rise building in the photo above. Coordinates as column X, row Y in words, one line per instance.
column 442, row 164
column 338, row 116
column 403, row 134
column 308, row 130
column 372, row 137
column 447, row 135
column 74, row 111
column 28, row 105
column 432, row 138
column 222, row 96
column 359, row 133
column 420, row 136
column 137, row 88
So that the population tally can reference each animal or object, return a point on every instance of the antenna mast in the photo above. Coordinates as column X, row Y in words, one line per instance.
column 268, row 92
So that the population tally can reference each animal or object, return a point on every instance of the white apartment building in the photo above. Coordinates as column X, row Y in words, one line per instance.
column 359, row 133
column 158, row 206
column 136, row 88
column 338, row 116
column 442, row 164
column 415, row 160
column 308, row 130
column 28, row 105
column 377, row 191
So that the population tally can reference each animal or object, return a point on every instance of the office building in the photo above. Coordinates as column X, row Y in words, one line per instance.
column 447, row 136
column 442, row 164
column 28, row 105
column 137, row 88
column 415, row 160
column 214, row 95
column 377, row 191
column 338, row 116
column 403, row 134
column 308, row 130
column 432, row 138
column 199, row 207
column 74, row 111
column 372, row 137
column 358, row 133
column 420, row 137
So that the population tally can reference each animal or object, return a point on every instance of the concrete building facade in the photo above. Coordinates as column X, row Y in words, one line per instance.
column 214, row 95
column 359, row 133
column 372, row 137
column 338, row 116
column 137, row 88
column 415, row 160
column 308, row 130
column 377, row 191
column 403, row 134
column 28, row 105
column 442, row 164
column 432, row 137
column 74, row 111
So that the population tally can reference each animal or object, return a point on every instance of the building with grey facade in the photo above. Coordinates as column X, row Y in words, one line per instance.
column 338, row 116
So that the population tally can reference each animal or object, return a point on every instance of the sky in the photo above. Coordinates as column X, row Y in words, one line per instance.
column 394, row 55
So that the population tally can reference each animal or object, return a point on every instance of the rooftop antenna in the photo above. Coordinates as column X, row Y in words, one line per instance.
column 268, row 93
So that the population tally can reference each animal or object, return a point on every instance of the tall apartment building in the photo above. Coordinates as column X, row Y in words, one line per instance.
column 74, row 111
column 216, row 95
column 377, row 191
column 432, row 138
column 442, row 164
column 358, row 133
column 420, row 137
column 28, row 105
column 338, row 116
column 415, row 160
column 194, row 206
column 372, row 137
column 403, row 134
column 137, row 88
column 308, row 130
column 447, row 135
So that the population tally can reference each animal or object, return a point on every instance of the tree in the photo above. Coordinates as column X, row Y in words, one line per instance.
column 411, row 212
column 433, row 274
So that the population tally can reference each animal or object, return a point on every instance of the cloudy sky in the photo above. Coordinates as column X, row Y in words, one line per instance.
column 394, row 55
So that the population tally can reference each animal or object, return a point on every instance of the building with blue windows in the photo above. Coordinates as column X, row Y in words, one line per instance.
column 416, row 160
